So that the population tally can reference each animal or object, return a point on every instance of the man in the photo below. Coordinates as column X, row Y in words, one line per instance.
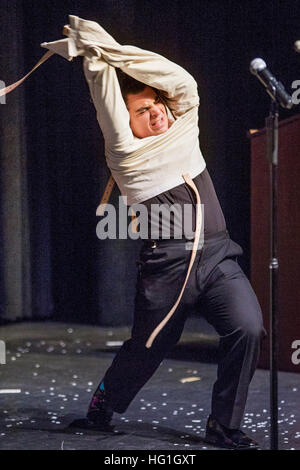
column 152, row 149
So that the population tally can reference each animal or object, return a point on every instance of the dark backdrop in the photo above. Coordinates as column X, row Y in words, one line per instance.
column 52, row 164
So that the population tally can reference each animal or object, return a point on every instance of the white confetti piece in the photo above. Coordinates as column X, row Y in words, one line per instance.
column 189, row 379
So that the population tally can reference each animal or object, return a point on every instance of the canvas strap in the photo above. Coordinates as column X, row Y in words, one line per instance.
column 13, row 86
column 159, row 327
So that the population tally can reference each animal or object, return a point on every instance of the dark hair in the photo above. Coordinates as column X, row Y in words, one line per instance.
column 129, row 85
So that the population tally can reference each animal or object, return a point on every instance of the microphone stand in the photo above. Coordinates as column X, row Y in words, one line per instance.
column 272, row 156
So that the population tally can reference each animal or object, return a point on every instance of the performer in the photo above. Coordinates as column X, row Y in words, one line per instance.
column 150, row 127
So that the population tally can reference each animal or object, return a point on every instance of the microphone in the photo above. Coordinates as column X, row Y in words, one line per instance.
column 274, row 88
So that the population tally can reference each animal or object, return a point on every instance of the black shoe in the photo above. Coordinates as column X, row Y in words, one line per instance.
column 220, row 436
column 99, row 413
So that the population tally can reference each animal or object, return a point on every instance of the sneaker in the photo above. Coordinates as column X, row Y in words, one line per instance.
column 99, row 412
column 220, row 436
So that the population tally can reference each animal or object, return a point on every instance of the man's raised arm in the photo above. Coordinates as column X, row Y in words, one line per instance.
column 178, row 86
column 102, row 54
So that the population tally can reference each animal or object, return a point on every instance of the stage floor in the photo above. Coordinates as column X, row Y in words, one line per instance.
column 53, row 369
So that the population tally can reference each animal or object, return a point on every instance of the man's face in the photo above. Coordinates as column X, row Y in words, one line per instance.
column 148, row 115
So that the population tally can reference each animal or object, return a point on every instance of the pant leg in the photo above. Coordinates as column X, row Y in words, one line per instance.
column 229, row 303
column 159, row 281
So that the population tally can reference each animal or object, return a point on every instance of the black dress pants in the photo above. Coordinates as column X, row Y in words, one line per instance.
column 217, row 289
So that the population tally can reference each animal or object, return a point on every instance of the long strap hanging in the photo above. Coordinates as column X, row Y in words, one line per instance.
column 106, row 195
column 190, row 182
column 157, row 330
column 105, row 198
column 13, row 86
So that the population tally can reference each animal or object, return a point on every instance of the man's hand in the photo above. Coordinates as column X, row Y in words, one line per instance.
column 66, row 30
